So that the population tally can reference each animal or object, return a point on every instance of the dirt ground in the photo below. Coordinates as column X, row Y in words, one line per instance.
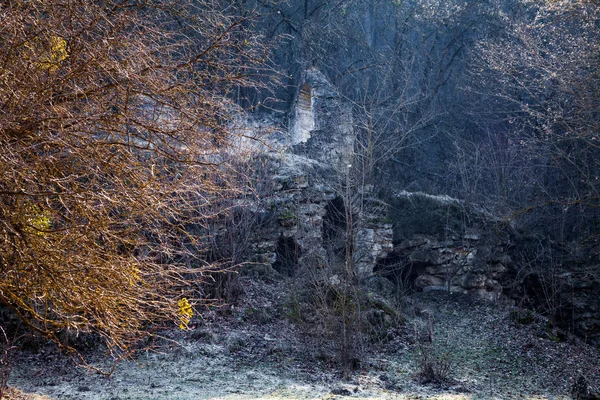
column 242, row 354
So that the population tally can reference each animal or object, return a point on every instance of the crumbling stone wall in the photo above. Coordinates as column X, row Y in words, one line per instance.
column 420, row 240
column 441, row 244
column 321, row 125
column 308, row 180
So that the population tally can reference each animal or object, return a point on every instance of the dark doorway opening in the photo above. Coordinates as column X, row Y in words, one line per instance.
column 288, row 252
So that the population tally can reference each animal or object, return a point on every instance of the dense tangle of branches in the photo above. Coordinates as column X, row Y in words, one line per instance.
column 115, row 123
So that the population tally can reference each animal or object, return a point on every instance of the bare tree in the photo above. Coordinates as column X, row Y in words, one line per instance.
column 544, row 71
column 115, row 121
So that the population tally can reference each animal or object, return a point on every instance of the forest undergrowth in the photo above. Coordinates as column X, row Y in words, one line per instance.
column 257, row 350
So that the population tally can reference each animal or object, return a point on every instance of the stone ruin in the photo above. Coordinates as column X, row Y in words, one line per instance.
column 307, row 227
column 308, row 222
column 417, row 241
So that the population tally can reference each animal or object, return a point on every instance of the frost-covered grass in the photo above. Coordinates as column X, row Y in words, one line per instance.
column 494, row 357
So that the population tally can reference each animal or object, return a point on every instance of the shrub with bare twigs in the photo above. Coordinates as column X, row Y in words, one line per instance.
column 116, row 131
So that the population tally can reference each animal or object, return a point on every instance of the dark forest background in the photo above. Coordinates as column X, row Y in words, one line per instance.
column 495, row 103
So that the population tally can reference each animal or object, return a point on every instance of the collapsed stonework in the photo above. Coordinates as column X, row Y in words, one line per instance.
column 561, row 280
column 310, row 208
column 441, row 244
column 416, row 240
column 308, row 199
column 321, row 126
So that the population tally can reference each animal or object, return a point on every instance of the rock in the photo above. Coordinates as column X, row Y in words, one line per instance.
column 581, row 391
column 303, row 230
column 472, row 236
column 381, row 286
column 426, row 280
column 340, row 391
column 473, row 281
column 322, row 126
column 444, row 244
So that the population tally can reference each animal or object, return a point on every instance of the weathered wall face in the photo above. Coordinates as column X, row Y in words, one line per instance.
column 440, row 244
column 294, row 236
column 321, row 126
column 443, row 244
column 309, row 229
column 304, row 117
column 424, row 241
column 308, row 203
column 459, row 266
column 560, row 280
